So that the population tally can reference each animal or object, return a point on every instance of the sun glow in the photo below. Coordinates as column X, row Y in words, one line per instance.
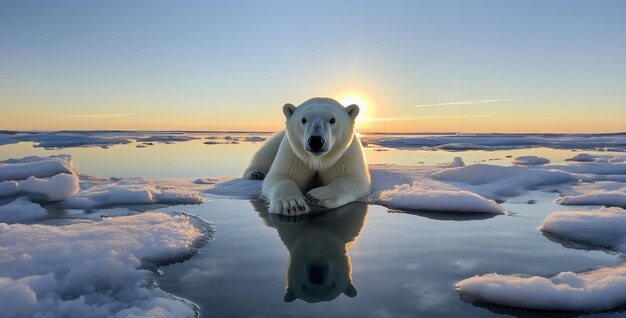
column 359, row 100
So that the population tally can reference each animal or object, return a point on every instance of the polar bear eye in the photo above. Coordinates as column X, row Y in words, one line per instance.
column 303, row 120
column 332, row 120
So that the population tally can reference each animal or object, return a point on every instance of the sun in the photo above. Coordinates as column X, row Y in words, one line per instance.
column 360, row 101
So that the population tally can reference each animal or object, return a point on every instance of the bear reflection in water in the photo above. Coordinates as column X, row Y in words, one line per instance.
column 318, row 243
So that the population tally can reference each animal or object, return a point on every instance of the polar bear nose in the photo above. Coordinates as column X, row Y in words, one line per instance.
column 316, row 143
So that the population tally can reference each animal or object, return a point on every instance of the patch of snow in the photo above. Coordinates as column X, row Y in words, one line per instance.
column 21, row 210
column 430, row 195
column 456, row 162
column 93, row 269
column 604, row 227
column 530, row 161
column 166, row 138
column 40, row 167
column 582, row 157
column 607, row 193
column 254, row 139
column 615, row 168
column 137, row 190
column 57, row 188
column 495, row 182
column 459, row 142
column 237, row 188
column 597, row 290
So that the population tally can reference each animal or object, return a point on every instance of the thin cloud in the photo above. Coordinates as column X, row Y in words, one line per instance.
column 469, row 102
column 408, row 118
column 101, row 115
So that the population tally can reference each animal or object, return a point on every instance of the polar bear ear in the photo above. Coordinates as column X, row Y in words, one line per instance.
column 288, row 109
column 353, row 111
column 350, row 291
column 289, row 296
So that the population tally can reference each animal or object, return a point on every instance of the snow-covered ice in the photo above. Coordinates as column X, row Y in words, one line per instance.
column 137, row 190
column 93, row 269
column 498, row 182
column 604, row 227
column 56, row 188
column 607, row 193
column 459, row 142
column 430, row 195
column 596, row 290
column 21, row 210
column 582, row 157
column 40, row 167
column 530, row 161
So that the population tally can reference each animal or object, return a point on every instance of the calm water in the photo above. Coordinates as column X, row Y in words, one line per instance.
column 359, row 260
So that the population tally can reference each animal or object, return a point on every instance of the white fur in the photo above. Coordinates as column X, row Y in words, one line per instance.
column 335, row 178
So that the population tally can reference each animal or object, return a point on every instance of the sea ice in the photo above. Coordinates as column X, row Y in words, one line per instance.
column 607, row 193
column 40, row 167
column 458, row 142
column 137, row 190
column 496, row 182
column 530, row 161
column 430, row 195
column 93, row 269
column 604, row 227
column 595, row 290
column 21, row 210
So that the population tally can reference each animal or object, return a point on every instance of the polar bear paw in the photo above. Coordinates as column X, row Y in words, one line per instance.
column 323, row 196
column 291, row 205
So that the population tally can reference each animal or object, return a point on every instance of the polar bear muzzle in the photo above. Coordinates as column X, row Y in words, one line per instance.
column 315, row 144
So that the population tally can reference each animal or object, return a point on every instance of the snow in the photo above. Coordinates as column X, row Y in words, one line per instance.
column 458, row 142
column 596, row 290
column 237, row 188
column 92, row 269
column 530, row 161
column 21, row 210
column 604, row 227
column 607, row 193
column 497, row 182
column 137, row 190
column 61, row 184
column 254, row 139
column 456, row 162
column 582, row 157
column 40, row 167
column 429, row 195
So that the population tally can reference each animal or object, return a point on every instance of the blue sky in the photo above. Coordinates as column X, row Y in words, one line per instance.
column 556, row 65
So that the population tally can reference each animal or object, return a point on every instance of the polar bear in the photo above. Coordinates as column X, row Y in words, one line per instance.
column 316, row 160
column 319, row 268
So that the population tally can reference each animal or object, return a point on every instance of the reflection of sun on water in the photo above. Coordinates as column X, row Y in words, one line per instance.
column 360, row 101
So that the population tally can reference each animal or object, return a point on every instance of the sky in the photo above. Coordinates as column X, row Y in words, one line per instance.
column 414, row 66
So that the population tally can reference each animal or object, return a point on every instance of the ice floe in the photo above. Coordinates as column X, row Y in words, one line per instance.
column 595, row 290
column 607, row 193
column 94, row 268
column 604, row 227
column 458, row 142
column 497, row 182
column 582, row 157
column 530, row 161
column 40, row 167
column 430, row 195
column 137, row 190
column 21, row 210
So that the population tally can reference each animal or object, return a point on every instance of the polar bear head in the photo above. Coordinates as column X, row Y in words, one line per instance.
column 320, row 129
